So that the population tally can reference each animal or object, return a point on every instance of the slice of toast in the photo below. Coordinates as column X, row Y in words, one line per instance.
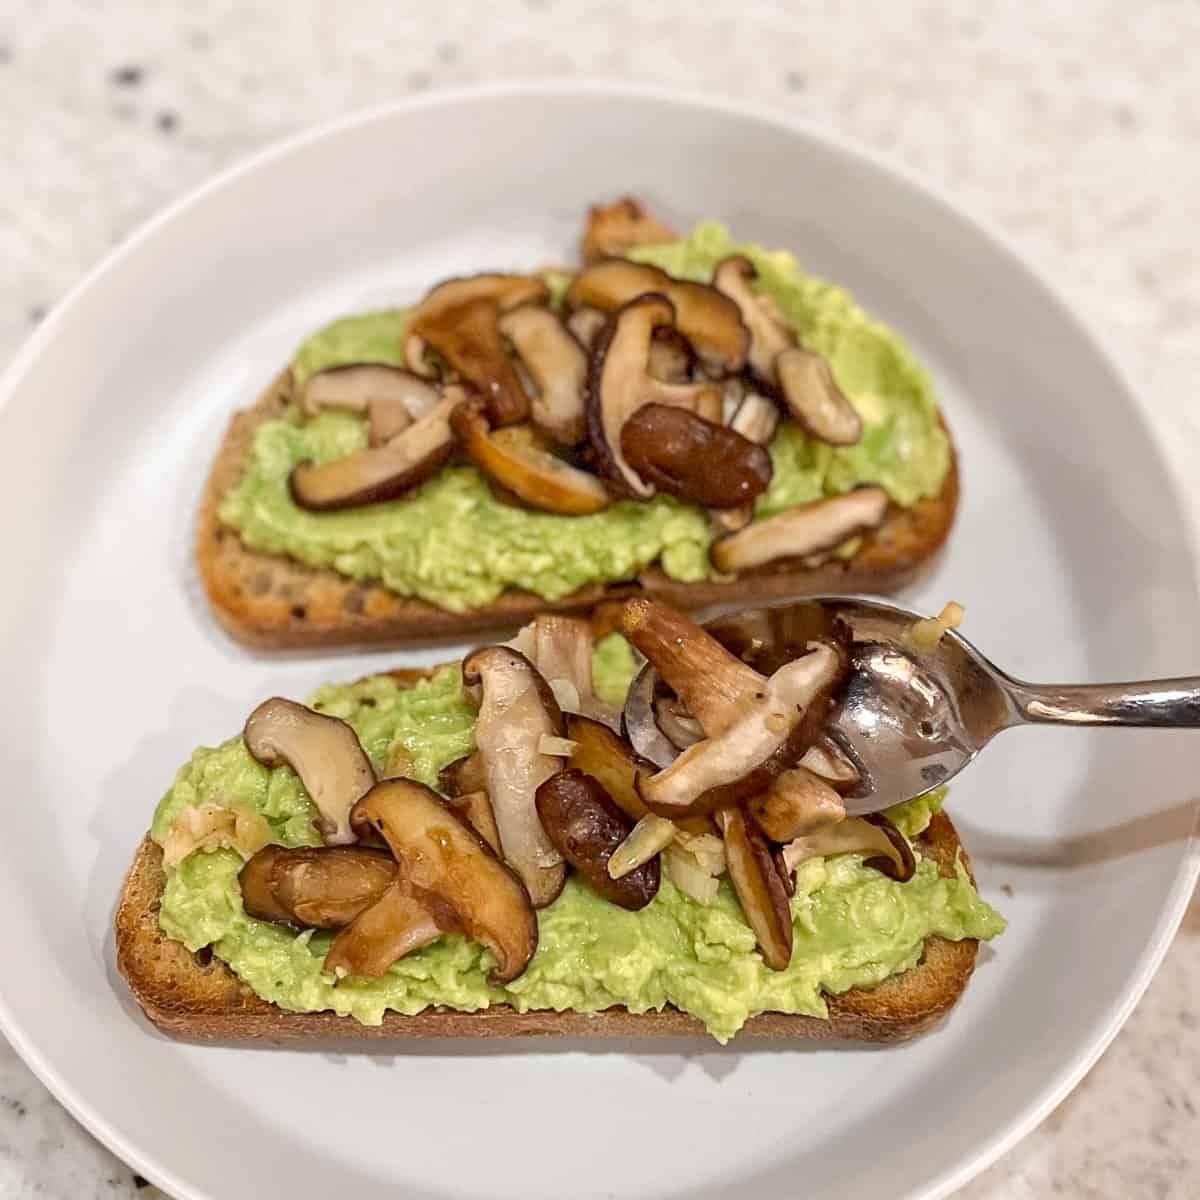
column 188, row 997
column 275, row 602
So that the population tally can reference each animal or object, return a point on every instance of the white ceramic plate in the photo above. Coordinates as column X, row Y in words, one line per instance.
column 1070, row 555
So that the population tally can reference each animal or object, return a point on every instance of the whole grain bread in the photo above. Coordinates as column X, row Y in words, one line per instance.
column 274, row 602
column 196, row 996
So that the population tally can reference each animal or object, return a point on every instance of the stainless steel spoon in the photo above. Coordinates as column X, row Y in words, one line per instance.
column 910, row 720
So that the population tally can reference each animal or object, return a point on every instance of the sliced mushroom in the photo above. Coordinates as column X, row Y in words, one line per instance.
column 385, row 472
column 448, row 868
column 671, row 358
column 686, row 456
column 883, row 846
column 827, row 759
column 586, row 826
column 476, row 809
column 813, row 397
column 759, row 887
column 797, row 803
column 587, row 324
column 769, row 337
column 755, row 727
column 322, row 750
column 756, row 419
column 558, row 366
column 681, row 728
column 314, row 887
column 621, row 384
column 460, row 320
column 618, row 227
column 417, row 357
column 391, row 397
column 775, row 730
column 516, row 709
column 520, row 461
column 716, row 687
column 463, row 775
column 395, row 925
column 710, row 321
column 608, row 759
column 561, row 648
column 802, row 531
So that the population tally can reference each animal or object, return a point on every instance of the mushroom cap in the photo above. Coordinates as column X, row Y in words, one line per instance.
column 444, row 865
column 709, row 320
column 519, row 460
column 802, row 531
column 460, row 320
column 324, row 751
column 311, row 887
column 759, row 886
column 384, row 472
column 813, row 397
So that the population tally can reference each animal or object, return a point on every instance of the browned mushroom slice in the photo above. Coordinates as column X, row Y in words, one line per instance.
column 418, row 358
column 756, row 419
column 759, row 887
column 608, row 759
column 384, row 472
column 618, row 227
column 883, row 846
column 709, row 320
column 671, row 358
column 560, row 648
column 716, row 687
column 463, row 775
column 395, row 925
column 322, row 750
column 686, row 456
column 797, row 803
column 586, row 325
column 802, row 531
column 766, row 739
column 314, row 887
column 621, row 384
column 814, row 398
column 476, row 809
column 755, row 727
column 517, row 709
column 447, row 868
column 391, row 398
column 768, row 337
column 460, row 320
column 558, row 366
column 586, row 826
column 520, row 461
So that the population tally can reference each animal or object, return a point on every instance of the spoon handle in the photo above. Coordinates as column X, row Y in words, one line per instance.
column 1154, row 703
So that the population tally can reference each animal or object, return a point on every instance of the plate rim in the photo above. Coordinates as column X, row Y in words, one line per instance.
column 985, row 1152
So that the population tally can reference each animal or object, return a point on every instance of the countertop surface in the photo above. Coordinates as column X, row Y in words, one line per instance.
column 1072, row 127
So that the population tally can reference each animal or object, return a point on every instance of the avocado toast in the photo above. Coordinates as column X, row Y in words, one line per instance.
column 879, row 932
column 469, row 542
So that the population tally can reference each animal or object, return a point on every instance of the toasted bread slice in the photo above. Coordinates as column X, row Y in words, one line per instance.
column 275, row 602
column 203, row 1000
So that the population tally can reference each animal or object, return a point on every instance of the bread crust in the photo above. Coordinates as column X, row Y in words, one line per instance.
column 199, row 1001
column 273, row 602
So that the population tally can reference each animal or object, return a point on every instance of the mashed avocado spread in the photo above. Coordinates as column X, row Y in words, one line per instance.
column 452, row 543
column 853, row 926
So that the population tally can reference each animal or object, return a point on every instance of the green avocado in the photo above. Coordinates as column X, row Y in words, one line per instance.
column 452, row 543
column 853, row 926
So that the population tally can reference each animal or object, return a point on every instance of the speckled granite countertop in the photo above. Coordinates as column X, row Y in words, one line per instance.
column 1074, row 127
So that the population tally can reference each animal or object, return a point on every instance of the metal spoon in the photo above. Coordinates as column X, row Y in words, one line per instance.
column 910, row 720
